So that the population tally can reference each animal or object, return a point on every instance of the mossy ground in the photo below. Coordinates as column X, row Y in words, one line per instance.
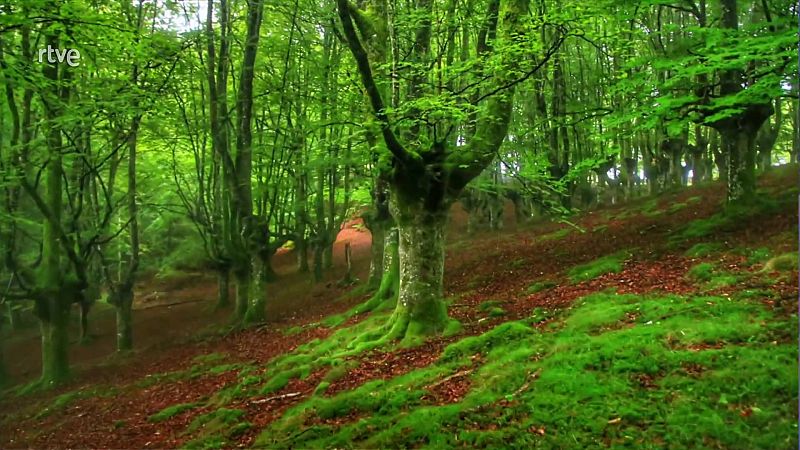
column 600, row 266
column 616, row 370
column 578, row 365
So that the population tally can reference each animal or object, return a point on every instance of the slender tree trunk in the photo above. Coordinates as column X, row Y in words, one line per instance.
column 85, row 306
column 318, row 251
column 124, row 309
column 256, row 307
column 242, row 277
column 376, row 255
column 223, row 287
column 3, row 370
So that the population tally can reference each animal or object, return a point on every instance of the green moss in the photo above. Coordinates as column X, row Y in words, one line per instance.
column 487, row 305
column 210, row 358
column 291, row 331
column 171, row 411
column 322, row 387
column 731, row 217
column 703, row 249
column 540, row 286
column 702, row 271
column 782, row 263
column 66, row 399
column 601, row 266
column 722, row 280
column 757, row 255
column 556, row 235
column 497, row 312
column 452, row 328
column 675, row 207
column 518, row 263
column 618, row 370
column 215, row 429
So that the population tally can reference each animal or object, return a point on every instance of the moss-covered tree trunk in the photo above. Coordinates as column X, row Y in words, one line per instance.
column 256, row 312
column 741, row 176
column 52, row 307
column 420, row 306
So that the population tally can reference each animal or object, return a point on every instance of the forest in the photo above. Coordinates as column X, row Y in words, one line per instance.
column 399, row 223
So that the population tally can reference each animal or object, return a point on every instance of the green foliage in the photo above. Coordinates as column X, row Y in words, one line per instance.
column 601, row 266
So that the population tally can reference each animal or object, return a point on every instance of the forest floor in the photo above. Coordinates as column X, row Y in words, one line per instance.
column 665, row 322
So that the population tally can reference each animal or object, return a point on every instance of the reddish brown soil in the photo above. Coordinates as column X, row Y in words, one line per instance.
column 486, row 266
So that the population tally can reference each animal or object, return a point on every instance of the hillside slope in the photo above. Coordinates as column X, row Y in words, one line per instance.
column 665, row 322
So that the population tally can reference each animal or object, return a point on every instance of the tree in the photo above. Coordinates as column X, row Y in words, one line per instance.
column 427, row 174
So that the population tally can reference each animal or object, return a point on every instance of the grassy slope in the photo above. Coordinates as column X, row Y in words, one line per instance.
column 710, row 364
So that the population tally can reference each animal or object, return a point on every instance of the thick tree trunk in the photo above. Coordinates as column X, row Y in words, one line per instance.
column 420, row 307
column 741, row 180
column 55, row 341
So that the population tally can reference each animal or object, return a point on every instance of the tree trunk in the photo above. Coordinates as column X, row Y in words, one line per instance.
column 327, row 252
column 223, row 287
column 420, row 308
column 242, row 278
column 3, row 371
column 85, row 306
column 376, row 255
column 318, row 251
column 741, row 180
column 124, row 308
column 55, row 341
column 255, row 312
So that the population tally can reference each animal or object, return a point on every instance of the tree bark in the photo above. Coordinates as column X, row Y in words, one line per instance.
column 420, row 307
column 223, row 287
column 242, row 278
column 3, row 370
column 124, row 309
column 55, row 341
column 741, row 177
